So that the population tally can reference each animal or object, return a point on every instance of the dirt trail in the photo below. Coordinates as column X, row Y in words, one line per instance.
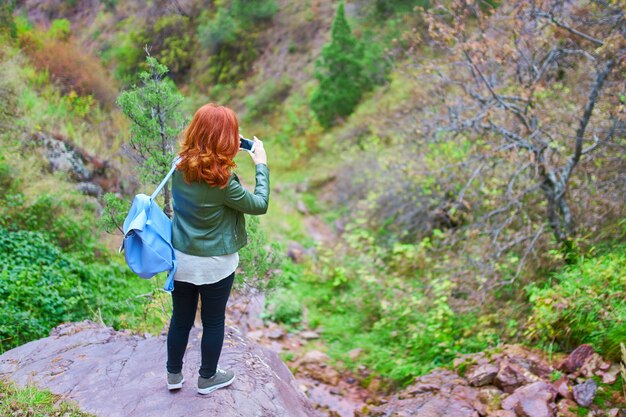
column 333, row 392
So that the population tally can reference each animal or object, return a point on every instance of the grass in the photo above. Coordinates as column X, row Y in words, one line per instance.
column 31, row 401
column 43, row 107
column 583, row 303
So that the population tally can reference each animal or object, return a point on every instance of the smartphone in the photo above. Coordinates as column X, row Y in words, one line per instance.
column 247, row 144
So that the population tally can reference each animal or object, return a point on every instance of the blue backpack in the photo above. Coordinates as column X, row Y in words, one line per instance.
column 147, row 241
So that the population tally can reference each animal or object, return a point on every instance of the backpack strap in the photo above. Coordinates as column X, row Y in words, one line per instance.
column 167, row 177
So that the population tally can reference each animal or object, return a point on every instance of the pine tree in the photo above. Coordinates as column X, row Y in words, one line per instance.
column 340, row 73
column 156, row 123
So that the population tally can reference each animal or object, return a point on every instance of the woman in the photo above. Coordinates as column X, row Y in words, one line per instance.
column 207, row 231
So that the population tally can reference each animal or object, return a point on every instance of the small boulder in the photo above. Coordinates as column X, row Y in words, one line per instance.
column 296, row 252
column 533, row 400
column 593, row 364
column 610, row 375
column 276, row 333
column 309, row 335
column 563, row 388
column 302, row 207
column 313, row 357
column 355, row 353
column 576, row 359
column 421, row 388
column 482, row 375
column 511, row 376
column 324, row 374
column 585, row 393
column 255, row 335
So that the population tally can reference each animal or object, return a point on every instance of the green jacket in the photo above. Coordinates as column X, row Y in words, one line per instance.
column 209, row 221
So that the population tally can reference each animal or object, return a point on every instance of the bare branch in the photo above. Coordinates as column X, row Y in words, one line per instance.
column 498, row 98
column 570, row 29
column 584, row 121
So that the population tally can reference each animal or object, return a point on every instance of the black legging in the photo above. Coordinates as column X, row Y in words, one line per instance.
column 185, row 302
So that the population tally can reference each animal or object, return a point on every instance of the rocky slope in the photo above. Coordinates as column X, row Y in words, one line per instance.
column 110, row 373
column 515, row 382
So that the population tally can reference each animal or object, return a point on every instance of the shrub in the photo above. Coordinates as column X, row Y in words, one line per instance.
column 60, row 29
column 67, row 222
column 257, row 258
column 177, row 50
column 220, row 30
column 116, row 210
column 282, row 306
column 41, row 287
column 127, row 54
column 582, row 303
column 232, row 47
column 254, row 11
column 74, row 70
column 269, row 95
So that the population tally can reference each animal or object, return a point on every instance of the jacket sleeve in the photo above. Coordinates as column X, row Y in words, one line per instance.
column 241, row 199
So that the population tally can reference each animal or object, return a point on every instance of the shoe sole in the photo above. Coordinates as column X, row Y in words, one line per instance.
column 175, row 386
column 210, row 389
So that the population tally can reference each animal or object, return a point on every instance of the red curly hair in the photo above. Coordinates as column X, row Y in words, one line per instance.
column 209, row 145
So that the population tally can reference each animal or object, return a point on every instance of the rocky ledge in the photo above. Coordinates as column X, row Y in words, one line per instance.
column 513, row 382
column 115, row 373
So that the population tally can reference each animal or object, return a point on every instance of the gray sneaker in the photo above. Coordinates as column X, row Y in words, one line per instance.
column 221, row 379
column 175, row 381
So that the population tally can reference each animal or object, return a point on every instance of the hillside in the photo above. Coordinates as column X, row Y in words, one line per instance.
column 447, row 179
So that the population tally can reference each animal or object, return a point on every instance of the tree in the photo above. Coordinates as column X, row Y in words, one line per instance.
column 535, row 89
column 340, row 72
column 156, row 123
column 508, row 144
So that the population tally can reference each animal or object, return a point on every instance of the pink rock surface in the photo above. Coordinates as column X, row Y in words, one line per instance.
column 533, row 400
column 577, row 358
column 110, row 373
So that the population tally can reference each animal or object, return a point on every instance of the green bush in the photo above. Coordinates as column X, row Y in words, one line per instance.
column 282, row 306
column 127, row 53
column 254, row 11
column 173, row 44
column 60, row 29
column 62, row 219
column 41, row 287
column 258, row 258
column 582, row 303
column 267, row 97
column 171, row 41
column 220, row 30
column 232, row 46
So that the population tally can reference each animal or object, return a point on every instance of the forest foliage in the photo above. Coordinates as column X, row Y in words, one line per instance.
column 470, row 156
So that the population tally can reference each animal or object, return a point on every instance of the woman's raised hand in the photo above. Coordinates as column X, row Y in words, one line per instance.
column 259, row 156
